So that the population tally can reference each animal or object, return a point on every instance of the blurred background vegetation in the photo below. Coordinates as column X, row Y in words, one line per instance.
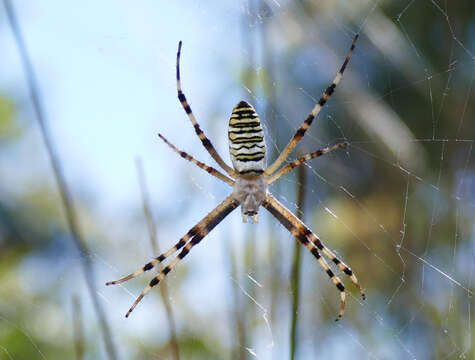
column 398, row 206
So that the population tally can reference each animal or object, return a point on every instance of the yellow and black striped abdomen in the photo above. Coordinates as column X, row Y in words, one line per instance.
column 246, row 140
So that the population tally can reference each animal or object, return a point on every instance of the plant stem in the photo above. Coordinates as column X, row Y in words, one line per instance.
column 78, row 329
column 295, row 272
column 64, row 192
column 152, row 230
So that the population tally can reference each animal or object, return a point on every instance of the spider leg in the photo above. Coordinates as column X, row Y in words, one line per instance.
column 311, row 242
column 208, row 169
column 301, row 131
column 150, row 265
column 199, row 231
column 343, row 267
column 316, row 241
column 204, row 140
column 301, row 160
column 225, row 208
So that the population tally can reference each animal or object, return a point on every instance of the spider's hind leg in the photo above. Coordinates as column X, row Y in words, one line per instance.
column 299, row 134
column 186, row 106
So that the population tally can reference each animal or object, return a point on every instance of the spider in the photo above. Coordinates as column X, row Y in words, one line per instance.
column 250, row 179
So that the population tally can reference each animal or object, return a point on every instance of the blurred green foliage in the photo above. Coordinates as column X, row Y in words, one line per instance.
column 8, row 126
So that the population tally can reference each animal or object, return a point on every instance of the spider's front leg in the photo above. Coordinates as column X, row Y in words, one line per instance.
column 311, row 242
column 194, row 235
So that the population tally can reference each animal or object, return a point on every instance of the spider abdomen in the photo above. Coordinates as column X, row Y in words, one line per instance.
column 246, row 140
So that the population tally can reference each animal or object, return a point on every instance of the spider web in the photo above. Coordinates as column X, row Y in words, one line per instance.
column 436, row 264
column 397, row 206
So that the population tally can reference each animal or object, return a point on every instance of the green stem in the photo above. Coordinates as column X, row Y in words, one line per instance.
column 295, row 272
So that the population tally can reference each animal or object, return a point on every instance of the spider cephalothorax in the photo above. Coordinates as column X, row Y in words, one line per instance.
column 250, row 178
column 251, row 193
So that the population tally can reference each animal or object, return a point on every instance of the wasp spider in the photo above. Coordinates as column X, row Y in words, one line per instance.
column 250, row 179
